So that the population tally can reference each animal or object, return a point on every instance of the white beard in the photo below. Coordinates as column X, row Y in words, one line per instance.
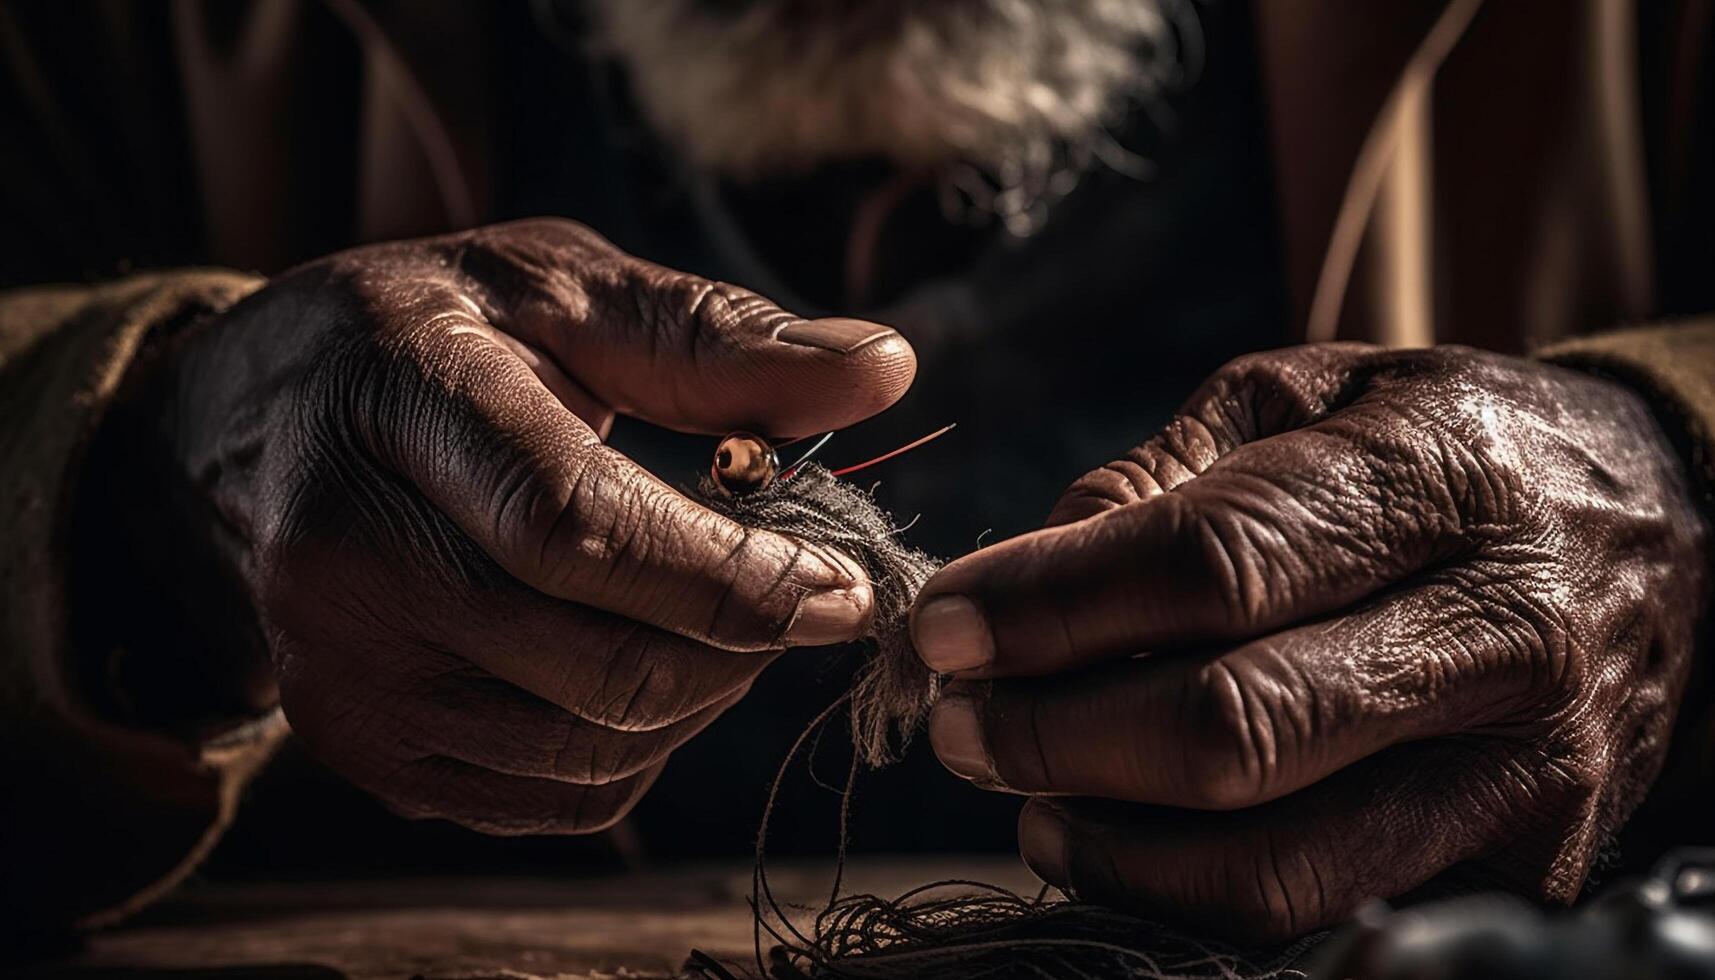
column 780, row 86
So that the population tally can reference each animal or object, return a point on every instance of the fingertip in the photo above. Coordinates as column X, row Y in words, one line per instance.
column 954, row 620
column 951, row 634
column 956, row 735
column 1043, row 840
column 832, row 616
column 965, row 575
column 841, row 335
column 834, row 373
column 889, row 366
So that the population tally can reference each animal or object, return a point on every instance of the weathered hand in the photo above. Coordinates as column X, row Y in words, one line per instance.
column 476, row 609
column 1387, row 612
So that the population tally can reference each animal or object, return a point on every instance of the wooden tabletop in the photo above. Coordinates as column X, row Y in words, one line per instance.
column 640, row 925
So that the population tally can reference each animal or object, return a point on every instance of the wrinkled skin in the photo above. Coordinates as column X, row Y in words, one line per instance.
column 1353, row 619
column 472, row 607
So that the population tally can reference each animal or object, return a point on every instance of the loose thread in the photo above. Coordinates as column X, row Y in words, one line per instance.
column 884, row 457
column 893, row 689
column 759, row 888
column 983, row 931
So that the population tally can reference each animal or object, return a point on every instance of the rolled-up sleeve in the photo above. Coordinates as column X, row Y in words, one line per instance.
column 96, row 817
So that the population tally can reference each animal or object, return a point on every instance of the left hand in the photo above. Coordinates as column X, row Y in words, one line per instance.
column 1388, row 612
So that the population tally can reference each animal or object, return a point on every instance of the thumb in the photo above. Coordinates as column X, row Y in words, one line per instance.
column 686, row 352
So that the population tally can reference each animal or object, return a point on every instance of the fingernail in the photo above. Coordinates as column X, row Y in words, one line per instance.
column 956, row 735
column 1042, row 841
column 838, row 334
column 952, row 634
column 834, row 616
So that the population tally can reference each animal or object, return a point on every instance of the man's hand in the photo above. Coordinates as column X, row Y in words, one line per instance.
column 476, row 609
column 1386, row 612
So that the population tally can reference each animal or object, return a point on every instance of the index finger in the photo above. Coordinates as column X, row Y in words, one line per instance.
column 1274, row 532
column 532, row 485
column 1247, row 725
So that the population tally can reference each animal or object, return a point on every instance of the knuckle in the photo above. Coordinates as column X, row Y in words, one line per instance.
column 658, row 303
column 1266, row 392
column 537, row 264
column 529, row 740
column 1277, row 892
column 1025, row 759
column 521, row 245
column 408, row 789
column 550, row 228
column 1256, row 367
column 1543, row 642
column 617, row 756
column 1113, row 485
column 1485, row 475
column 1231, row 754
column 592, row 809
column 1519, row 630
column 528, row 507
column 734, row 619
column 1395, row 469
column 1227, row 401
column 580, row 755
column 522, row 821
column 566, row 523
column 595, row 758
column 343, row 721
column 1082, row 502
column 531, row 807
column 359, row 392
column 720, row 307
column 597, row 816
column 667, row 301
column 642, row 679
column 747, row 584
column 1188, row 444
column 630, row 692
column 1183, row 449
column 692, row 318
column 1241, row 578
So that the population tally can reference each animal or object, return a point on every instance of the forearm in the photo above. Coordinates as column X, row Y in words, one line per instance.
column 100, row 811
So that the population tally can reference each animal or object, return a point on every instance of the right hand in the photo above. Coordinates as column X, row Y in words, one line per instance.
column 474, row 608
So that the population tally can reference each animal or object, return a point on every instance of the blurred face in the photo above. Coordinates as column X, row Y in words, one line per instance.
column 760, row 87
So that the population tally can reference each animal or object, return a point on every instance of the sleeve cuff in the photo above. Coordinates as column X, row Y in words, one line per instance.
column 1673, row 367
column 97, row 818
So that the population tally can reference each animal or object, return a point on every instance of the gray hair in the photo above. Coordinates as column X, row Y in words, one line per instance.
column 1009, row 87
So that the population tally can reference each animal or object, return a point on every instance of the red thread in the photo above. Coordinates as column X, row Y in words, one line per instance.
column 902, row 449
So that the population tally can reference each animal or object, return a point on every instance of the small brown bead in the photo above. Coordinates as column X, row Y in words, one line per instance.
column 744, row 463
